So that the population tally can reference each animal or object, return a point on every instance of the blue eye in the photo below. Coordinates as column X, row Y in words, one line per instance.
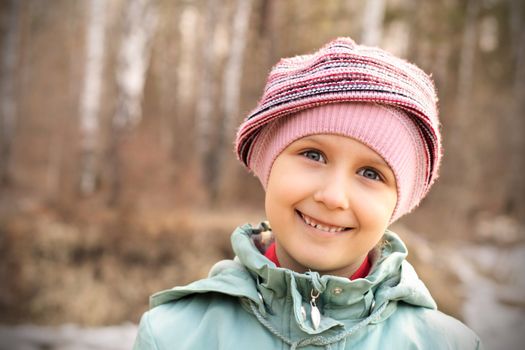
column 314, row 155
column 370, row 174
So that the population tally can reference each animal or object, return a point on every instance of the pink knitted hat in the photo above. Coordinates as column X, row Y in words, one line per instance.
column 343, row 72
column 386, row 130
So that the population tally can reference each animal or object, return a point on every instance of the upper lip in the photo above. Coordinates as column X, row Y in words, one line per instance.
column 314, row 222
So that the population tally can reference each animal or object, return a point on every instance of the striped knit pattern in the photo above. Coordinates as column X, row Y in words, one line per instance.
column 343, row 71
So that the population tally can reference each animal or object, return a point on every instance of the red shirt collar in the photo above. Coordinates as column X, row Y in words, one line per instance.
column 361, row 272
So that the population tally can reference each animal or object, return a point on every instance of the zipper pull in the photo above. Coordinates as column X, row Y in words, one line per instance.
column 315, row 315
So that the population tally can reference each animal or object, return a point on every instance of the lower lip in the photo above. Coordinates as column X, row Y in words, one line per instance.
column 320, row 233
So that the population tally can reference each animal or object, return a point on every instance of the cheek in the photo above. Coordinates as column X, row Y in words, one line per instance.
column 282, row 193
column 390, row 203
column 377, row 208
column 287, row 181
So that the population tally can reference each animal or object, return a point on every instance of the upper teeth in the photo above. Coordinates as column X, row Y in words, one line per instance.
column 319, row 226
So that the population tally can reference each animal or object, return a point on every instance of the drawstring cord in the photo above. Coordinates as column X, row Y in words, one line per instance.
column 316, row 340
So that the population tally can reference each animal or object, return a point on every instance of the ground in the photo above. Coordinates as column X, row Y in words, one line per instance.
column 69, row 279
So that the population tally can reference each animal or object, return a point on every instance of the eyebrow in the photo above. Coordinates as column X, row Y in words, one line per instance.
column 377, row 158
column 314, row 139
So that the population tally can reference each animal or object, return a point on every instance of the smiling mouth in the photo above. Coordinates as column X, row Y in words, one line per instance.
column 321, row 226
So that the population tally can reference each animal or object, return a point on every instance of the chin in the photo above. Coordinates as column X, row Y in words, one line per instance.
column 316, row 265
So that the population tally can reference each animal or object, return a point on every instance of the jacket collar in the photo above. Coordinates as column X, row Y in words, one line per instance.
column 341, row 301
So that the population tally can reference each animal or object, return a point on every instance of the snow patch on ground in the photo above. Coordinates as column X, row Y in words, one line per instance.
column 67, row 337
column 494, row 286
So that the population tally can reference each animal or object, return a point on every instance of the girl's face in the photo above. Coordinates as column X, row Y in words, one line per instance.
column 329, row 199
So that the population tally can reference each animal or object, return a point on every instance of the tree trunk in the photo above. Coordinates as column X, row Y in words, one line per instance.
column 187, row 67
column 517, row 29
column 467, row 58
column 231, row 90
column 268, row 28
column 166, row 60
column 373, row 17
column 182, row 101
column 206, row 98
column 234, row 67
column 8, row 90
column 462, row 137
column 132, row 64
column 516, row 185
column 133, row 61
column 91, row 93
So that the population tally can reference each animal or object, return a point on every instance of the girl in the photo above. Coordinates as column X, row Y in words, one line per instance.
column 345, row 141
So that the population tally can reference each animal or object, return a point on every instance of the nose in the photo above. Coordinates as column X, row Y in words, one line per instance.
column 333, row 192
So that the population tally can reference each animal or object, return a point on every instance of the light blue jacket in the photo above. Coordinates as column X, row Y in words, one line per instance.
column 249, row 303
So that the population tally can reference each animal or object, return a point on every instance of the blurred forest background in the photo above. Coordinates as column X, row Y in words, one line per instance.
column 117, row 121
